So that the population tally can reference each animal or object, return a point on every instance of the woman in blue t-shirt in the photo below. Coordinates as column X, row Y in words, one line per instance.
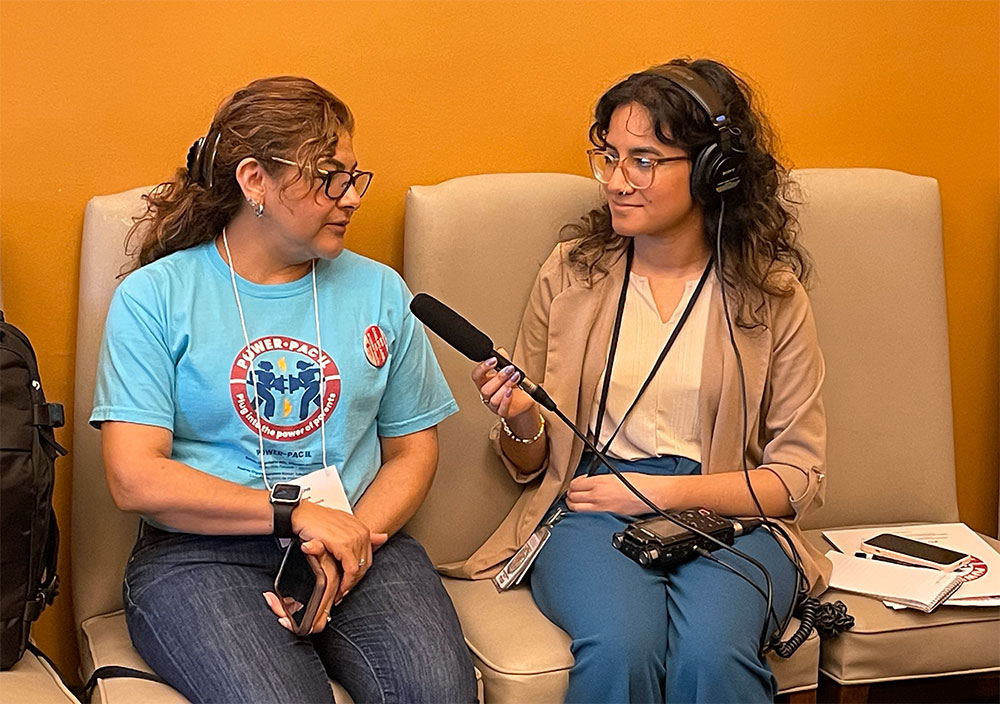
column 259, row 382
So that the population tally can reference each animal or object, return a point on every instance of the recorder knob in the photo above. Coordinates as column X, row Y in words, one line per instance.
column 653, row 554
column 616, row 541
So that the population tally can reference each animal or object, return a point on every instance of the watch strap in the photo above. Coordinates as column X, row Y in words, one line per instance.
column 283, row 519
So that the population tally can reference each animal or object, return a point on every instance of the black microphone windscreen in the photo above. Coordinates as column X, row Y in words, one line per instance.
column 452, row 327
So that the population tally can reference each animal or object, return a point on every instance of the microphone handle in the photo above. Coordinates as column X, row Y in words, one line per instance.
column 527, row 385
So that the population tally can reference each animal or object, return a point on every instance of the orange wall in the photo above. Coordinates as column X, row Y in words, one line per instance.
column 97, row 97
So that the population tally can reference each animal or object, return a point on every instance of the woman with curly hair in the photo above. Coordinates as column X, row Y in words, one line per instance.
column 673, row 325
column 258, row 382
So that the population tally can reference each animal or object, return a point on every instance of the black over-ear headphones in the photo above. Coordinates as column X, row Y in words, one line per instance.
column 201, row 159
column 717, row 167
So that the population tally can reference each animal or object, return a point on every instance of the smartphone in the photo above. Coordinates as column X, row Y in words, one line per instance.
column 914, row 552
column 299, row 585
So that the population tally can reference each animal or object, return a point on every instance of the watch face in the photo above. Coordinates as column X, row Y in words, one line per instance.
column 285, row 492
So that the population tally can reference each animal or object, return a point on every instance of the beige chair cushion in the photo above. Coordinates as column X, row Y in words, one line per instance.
column 524, row 657
column 102, row 536
column 886, row 645
column 33, row 681
column 477, row 243
column 108, row 643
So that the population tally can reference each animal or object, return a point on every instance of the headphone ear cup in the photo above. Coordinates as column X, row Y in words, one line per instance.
column 194, row 160
column 702, row 168
column 714, row 173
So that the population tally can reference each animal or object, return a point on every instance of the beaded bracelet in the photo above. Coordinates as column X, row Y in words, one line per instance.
column 524, row 441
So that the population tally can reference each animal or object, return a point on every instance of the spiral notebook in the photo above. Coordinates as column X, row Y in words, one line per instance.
column 916, row 587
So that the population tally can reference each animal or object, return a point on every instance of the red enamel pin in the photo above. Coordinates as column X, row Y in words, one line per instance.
column 376, row 347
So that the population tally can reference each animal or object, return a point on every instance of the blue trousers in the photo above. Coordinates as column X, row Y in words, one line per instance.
column 638, row 635
column 195, row 612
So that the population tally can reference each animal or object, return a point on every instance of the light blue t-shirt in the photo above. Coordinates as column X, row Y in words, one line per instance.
column 174, row 356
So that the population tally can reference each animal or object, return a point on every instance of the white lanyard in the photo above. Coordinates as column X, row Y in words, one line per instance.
column 253, row 372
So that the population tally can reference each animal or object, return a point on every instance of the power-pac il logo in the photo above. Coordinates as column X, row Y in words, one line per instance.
column 295, row 383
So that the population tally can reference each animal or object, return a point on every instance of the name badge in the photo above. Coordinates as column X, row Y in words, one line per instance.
column 515, row 569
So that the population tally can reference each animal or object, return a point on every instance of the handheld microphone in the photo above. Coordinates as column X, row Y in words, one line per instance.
column 470, row 341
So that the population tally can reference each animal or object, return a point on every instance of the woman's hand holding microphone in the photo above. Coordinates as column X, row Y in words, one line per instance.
column 523, row 424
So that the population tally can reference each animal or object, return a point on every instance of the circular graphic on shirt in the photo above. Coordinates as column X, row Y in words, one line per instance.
column 295, row 383
column 376, row 347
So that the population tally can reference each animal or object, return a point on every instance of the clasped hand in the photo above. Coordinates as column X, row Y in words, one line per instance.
column 345, row 548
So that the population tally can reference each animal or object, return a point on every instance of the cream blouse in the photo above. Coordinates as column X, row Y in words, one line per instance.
column 665, row 421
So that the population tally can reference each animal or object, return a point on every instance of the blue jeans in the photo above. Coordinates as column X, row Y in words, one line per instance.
column 640, row 635
column 195, row 612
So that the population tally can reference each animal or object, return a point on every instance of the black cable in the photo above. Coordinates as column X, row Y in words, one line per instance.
column 764, row 640
column 829, row 620
column 795, row 559
column 705, row 553
column 660, row 512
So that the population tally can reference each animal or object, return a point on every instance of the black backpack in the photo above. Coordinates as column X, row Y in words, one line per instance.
column 29, row 536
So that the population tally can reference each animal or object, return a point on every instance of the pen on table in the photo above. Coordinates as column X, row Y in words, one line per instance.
column 869, row 556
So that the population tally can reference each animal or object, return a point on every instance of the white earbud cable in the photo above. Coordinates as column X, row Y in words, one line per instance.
column 253, row 373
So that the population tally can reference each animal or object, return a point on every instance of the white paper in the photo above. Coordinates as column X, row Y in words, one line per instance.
column 896, row 583
column 324, row 487
column 982, row 574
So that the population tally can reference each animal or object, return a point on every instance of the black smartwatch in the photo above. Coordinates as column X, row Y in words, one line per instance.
column 284, row 499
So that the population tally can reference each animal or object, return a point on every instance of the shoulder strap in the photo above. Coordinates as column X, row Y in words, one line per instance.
column 110, row 671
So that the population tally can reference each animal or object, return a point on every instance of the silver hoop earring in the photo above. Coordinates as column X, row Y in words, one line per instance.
column 258, row 208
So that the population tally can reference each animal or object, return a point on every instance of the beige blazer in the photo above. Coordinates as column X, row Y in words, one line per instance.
column 562, row 344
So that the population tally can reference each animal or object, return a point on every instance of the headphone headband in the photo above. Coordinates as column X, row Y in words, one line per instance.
column 702, row 93
column 716, row 168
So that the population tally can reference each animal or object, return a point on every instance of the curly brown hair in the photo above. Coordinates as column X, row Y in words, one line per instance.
column 759, row 230
column 284, row 116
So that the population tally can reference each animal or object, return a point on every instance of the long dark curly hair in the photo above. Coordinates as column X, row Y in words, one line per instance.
column 759, row 229
column 283, row 116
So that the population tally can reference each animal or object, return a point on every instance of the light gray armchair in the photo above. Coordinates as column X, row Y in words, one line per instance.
column 879, row 302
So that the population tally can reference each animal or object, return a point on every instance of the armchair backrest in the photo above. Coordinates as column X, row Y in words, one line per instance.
column 476, row 243
column 879, row 301
column 102, row 536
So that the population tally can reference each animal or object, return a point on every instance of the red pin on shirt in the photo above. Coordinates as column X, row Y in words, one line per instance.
column 376, row 347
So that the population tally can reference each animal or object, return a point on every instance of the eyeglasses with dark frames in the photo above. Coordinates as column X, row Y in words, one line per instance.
column 637, row 170
column 336, row 181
